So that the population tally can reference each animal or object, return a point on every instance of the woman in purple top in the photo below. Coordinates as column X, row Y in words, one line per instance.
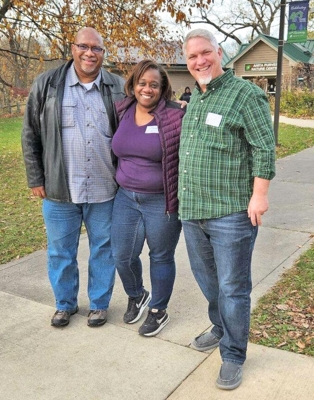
column 146, row 144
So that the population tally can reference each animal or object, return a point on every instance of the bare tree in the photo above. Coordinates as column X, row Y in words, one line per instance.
column 238, row 19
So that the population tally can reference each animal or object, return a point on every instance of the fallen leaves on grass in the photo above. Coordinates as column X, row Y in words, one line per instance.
column 284, row 317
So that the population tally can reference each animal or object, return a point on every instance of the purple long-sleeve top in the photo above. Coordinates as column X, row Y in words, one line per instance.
column 159, row 160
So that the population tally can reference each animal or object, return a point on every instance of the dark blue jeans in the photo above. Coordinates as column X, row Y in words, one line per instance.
column 220, row 253
column 136, row 217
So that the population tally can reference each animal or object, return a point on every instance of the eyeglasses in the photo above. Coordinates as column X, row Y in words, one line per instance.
column 84, row 47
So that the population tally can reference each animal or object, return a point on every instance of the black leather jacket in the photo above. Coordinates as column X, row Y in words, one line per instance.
column 41, row 135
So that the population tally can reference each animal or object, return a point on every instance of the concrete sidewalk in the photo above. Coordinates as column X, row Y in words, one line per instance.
column 38, row 362
column 303, row 123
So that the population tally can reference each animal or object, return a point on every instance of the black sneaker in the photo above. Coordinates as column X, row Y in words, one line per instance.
column 155, row 321
column 136, row 306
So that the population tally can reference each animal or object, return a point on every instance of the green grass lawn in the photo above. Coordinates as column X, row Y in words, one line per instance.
column 292, row 139
column 21, row 224
column 283, row 318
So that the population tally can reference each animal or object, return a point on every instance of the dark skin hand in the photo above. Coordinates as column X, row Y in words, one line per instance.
column 39, row 192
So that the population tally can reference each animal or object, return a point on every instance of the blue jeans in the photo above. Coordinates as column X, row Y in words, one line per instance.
column 220, row 253
column 136, row 217
column 63, row 223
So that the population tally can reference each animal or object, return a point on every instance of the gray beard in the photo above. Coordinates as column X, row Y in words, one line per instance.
column 205, row 81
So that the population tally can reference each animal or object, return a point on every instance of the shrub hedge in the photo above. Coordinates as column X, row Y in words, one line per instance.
column 299, row 104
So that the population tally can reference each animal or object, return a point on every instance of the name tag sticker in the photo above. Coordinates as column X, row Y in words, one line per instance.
column 213, row 119
column 152, row 129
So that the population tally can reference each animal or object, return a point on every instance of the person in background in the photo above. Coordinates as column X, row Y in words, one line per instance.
column 68, row 126
column 145, row 208
column 186, row 95
column 227, row 159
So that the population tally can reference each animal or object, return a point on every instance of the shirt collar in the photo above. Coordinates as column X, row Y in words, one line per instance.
column 220, row 80
column 74, row 80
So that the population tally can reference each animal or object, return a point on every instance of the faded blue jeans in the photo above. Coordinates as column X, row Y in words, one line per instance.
column 136, row 217
column 63, row 223
column 220, row 253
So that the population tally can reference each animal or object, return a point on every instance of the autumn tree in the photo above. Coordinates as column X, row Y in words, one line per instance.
column 130, row 23
column 39, row 32
column 43, row 30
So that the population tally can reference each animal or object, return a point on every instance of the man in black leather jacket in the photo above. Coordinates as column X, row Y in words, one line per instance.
column 68, row 126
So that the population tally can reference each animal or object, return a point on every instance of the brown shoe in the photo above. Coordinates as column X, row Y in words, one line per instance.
column 62, row 318
column 97, row 318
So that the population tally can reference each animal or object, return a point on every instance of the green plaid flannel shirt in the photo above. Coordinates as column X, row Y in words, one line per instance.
column 227, row 139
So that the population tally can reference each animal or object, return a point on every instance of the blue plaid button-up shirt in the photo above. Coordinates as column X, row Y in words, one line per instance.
column 86, row 140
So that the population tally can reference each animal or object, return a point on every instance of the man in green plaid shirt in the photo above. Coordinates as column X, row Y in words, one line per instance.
column 227, row 159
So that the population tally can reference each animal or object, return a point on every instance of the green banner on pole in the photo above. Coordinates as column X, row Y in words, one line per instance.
column 297, row 22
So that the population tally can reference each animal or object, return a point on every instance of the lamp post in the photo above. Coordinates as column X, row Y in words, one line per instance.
column 279, row 68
